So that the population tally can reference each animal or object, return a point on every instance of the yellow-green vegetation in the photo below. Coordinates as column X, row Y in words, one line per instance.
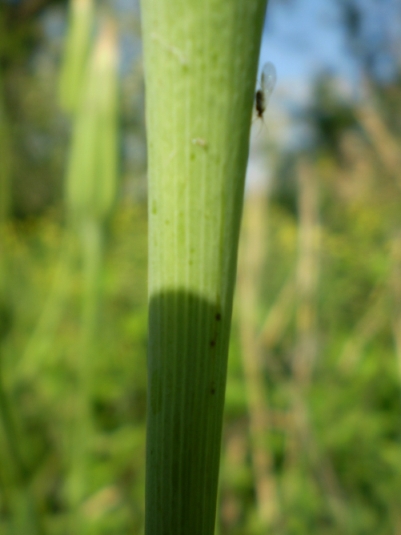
column 349, row 481
column 45, row 402
column 311, row 430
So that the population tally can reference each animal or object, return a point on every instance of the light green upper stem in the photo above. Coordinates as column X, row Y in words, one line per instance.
column 200, row 61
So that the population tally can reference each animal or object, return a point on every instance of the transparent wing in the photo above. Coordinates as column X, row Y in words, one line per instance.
column 268, row 79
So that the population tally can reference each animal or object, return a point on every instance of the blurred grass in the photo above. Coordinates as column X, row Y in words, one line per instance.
column 45, row 401
column 332, row 467
column 354, row 413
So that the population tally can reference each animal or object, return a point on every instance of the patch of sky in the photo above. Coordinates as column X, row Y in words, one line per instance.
column 304, row 39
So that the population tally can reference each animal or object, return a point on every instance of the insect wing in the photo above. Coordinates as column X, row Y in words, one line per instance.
column 268, row 80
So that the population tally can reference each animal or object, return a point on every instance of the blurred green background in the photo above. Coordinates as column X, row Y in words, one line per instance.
column 312, row 433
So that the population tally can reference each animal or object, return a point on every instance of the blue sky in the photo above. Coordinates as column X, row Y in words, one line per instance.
column 304, row 38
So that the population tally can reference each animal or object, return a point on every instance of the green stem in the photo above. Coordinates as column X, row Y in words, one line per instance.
column 200, row 64
column 92, row 247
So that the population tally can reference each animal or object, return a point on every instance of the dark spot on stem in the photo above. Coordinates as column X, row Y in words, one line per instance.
column 218, row 316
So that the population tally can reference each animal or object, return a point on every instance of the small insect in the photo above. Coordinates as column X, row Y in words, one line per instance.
column 267, row 83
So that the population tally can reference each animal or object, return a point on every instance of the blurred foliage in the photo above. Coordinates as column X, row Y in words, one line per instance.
column 335, row 465
column 31, row 50
column 42, row 393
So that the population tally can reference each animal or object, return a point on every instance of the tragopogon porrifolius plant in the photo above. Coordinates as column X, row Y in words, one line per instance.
column 200, row 69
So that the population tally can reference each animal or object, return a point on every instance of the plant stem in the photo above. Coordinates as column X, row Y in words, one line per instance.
column 249, row 279
column 200, row 66
column 92, row 245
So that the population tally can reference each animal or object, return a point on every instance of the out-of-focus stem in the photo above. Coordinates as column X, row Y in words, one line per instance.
column 253, row 246
column 303, row 438
column 366, row 328
column 279, row 315
column 76, row 53
column 385, row 143
column 38, row 349
column 92, row 240
column 307, row 275
column 91, row 189
column 396, row 295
